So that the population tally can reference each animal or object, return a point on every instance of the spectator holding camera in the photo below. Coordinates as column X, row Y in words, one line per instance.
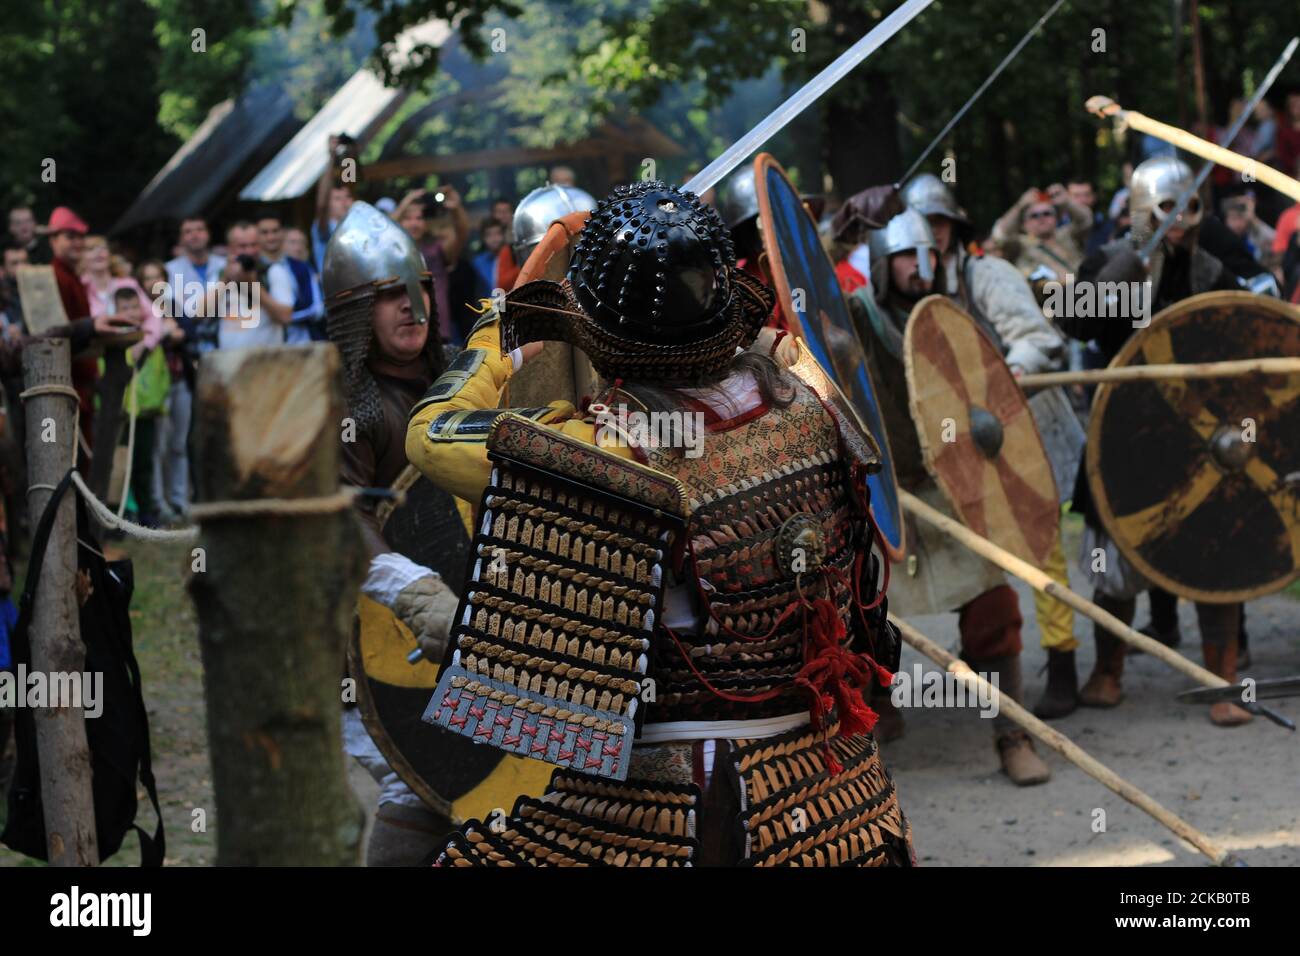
column 440, row 253
column 253, row 299
column 333, row 194
column 1239, row 216
column 1032, row 235
column 307, row 323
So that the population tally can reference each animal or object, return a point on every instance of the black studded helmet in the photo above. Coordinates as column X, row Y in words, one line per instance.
column 652, row 292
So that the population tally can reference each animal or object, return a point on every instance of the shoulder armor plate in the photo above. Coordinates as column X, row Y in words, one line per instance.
column 449, row 383
column 553, row 634
column 473, row 424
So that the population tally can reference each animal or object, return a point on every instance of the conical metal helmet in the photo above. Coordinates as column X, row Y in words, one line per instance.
column 909, row 231
column 540, row 208
column 930, row 196
column 740, row 198
column 370, row 251
column 1159, row 180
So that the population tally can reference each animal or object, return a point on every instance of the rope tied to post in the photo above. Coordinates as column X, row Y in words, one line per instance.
column 67, row 391
column 341, row 500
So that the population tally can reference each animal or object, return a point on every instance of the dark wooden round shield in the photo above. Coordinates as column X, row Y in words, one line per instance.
column 810, row 296
column 447, row 771
column 1198, row 480
column 977, row 433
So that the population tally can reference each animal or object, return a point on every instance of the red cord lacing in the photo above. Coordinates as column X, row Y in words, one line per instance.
column 832, row 676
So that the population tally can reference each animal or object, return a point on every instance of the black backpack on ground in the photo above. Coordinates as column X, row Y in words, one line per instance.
column 119, row 736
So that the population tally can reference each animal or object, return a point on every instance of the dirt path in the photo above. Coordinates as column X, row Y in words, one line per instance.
column 1240, row 786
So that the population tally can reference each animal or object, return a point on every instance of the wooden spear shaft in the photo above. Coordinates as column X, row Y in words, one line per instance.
column 1184, row 140
column 1285, row 365
column 1065, row 747
column 1040, row 581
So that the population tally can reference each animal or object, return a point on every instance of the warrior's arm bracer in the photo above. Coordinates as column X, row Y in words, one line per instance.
column 448, row 429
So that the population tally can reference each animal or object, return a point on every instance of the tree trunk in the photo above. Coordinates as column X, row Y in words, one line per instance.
column 275, row 597
column 55, row 630
column 862, row 139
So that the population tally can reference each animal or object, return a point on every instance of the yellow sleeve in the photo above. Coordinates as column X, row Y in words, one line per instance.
column 447, row 433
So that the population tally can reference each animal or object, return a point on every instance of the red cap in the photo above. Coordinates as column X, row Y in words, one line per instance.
column 64, row 219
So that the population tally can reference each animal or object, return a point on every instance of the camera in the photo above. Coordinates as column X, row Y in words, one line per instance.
column 345, row 147
column 432, row 203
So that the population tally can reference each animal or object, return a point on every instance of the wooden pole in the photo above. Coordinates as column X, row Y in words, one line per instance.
column 1184, row 140
column 1040, row 581
column 1064, row 746
column 110, row 388
column 55, row 631
column 275, row 597
column 1284, row 365
column 1198, row 70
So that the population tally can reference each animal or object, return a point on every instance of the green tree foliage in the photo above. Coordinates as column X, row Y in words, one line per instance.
column 418, row 64
column 78, row 103
column 106, row 90
column 110, row 88
column 206, row 51
column 1030, row 128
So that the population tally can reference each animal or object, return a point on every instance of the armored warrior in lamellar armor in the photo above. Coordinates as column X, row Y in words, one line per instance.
column 673, row 595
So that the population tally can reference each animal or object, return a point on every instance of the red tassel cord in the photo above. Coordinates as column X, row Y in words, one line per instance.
column 833, row 676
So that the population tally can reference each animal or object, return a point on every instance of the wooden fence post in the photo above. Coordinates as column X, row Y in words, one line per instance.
column 55, row 630
column 275, row 597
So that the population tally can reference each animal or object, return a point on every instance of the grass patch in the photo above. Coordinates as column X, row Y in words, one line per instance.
column 165, row 633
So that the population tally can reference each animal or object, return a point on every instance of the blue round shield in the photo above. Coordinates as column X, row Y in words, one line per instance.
column 811, row 298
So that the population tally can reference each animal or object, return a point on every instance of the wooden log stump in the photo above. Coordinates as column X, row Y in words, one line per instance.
column 55, row 630
column 275, row 597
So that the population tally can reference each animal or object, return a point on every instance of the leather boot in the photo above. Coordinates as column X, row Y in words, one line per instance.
column 404, row 836
column 1061, row 695
column 1103, row 686
column 1220, row 627
column 1015, row 748
column 1223, row 662
column 1243, row 643
column 1163, row 626
column 1020, row 761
